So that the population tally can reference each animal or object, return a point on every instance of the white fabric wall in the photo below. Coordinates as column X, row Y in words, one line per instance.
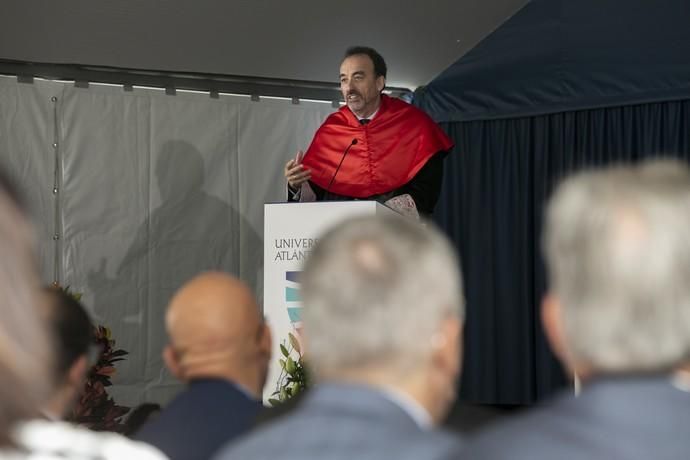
column 154, row 188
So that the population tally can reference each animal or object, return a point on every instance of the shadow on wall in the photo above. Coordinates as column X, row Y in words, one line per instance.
column 189, row 232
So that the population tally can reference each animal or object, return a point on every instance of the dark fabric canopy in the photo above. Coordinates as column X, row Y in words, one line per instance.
column 562, row 55
column 561, row 86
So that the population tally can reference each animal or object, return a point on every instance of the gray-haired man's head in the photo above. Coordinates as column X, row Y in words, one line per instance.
column 617, row 246
column 379, row 295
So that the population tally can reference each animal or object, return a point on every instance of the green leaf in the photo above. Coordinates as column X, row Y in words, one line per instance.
column 295, row 343
column 274, row 402
column 290, row 366
column 284, row 350
column 295, row 388
column 283, row 394
column 282, row 364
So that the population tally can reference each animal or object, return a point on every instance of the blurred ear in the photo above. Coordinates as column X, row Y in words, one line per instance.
column 380, row 83
column 171, row 362
column 446, row 347
column 76, row 375
column 266, row 341
column 552, row 320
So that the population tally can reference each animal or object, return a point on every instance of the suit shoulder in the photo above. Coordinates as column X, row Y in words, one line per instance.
column 521, row 436
column 298, row 438
column 433, row 445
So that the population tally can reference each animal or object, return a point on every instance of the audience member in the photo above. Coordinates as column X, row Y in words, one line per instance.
column 74, row 343
column 618, row 316
column 24, row 344
column 382, row 325
column 220, row 346
column 26, row 361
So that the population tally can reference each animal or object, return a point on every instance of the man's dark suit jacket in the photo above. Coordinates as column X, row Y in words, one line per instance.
column 631, row 418
column 200, row 420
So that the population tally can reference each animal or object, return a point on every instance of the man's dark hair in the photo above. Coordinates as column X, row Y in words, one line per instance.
column 380, row 68
column 72, row 329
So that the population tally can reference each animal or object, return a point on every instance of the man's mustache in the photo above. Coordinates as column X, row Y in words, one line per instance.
column 353, row 93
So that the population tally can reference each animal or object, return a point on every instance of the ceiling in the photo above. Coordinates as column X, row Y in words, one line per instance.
column 297, row 40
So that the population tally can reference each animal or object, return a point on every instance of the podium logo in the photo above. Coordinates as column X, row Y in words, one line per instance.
column 293, row 298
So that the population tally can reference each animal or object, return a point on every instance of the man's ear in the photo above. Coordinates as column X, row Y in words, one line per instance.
column 552, row 320
column 380, row 83
column 171, row 362
column 76, row 375
column 446, row 346
column 266, row 341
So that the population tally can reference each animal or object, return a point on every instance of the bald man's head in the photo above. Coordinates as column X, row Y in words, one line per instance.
column 216, row 330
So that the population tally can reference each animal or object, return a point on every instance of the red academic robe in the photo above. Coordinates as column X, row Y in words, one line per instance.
column 389, row 152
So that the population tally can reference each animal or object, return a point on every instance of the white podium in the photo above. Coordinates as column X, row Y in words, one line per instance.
column 290, row 232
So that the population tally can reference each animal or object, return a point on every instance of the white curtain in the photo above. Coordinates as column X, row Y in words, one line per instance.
column 152, row 189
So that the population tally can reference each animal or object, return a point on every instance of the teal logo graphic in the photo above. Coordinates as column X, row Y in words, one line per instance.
column 293, row 298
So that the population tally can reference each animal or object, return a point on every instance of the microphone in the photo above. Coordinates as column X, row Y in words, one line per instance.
column 354, row 142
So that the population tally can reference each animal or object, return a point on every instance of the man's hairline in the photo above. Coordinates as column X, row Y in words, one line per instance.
column 373, row 64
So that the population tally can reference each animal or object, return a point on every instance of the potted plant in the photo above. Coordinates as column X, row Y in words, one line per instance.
column 293, row 378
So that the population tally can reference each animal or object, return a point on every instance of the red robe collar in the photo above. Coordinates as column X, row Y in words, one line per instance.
column 390, row 149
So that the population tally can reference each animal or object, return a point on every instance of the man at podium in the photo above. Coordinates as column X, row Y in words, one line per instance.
column 373, row 148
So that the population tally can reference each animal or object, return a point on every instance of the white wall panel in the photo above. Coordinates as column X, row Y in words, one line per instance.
column 155, row 189
column 27, row 132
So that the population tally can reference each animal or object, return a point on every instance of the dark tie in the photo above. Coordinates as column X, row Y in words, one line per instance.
column 364, row 121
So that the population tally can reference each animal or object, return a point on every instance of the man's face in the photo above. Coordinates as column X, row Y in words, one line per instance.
column 361, row 88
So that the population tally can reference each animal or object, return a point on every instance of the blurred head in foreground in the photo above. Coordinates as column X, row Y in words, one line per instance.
column 383, row 306
column 617, row 249
column 216, row 330
column 25, row 360
column 75, row 350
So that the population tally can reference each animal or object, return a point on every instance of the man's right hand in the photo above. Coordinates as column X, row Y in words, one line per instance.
column 295, row 173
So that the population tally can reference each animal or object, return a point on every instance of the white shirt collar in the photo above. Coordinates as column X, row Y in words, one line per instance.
column 681, row 380
column 370, row 117
column 410, row 406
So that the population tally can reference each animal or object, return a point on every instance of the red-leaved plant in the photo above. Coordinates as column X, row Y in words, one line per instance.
column 95, row 409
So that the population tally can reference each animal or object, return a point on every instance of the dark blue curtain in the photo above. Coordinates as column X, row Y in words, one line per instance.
column 496, row 182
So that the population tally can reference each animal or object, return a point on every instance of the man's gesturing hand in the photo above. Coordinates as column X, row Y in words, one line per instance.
column 295, row 173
